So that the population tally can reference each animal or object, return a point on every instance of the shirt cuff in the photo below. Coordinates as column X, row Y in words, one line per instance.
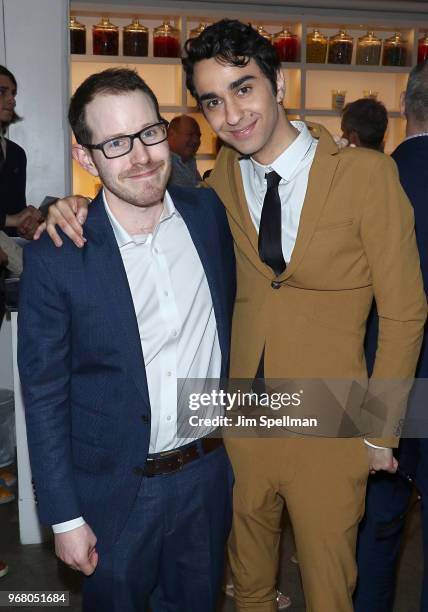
column 68, row 525
column 374, row 445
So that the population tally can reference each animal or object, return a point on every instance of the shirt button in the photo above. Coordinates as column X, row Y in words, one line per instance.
column 275, row 285
column 168, row 418
column 174, row 333
column 156, row 250
column 169, row 373
column 166, row 293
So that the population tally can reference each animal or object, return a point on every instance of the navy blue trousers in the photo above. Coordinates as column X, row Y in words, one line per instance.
column 378, row 547
column 170, row 554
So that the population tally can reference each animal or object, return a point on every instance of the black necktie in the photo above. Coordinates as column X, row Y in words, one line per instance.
column 270, row 244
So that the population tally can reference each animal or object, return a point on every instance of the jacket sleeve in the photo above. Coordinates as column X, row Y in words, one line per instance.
column 44, row 359
column 388, row 236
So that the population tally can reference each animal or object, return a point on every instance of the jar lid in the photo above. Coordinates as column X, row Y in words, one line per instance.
column 135, row 26
column 316, row 35
column 370, row 38
column 284, row 33
column 166, row 29
column 395, row 39
column 105, row 24
column 260, row 30
column 76, row 25
column 196, row 31
column 342, row 36
column 424, row 39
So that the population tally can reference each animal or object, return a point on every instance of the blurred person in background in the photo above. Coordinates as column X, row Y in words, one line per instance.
column 364, row 123
column 184, row 139
column 15, row 216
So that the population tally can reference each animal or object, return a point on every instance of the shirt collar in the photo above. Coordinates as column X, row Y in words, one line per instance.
column 122, row 236
column 287, row 163
column 416, row 136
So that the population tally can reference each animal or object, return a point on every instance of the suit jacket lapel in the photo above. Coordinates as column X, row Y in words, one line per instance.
column 320, row 179
column 112, row 288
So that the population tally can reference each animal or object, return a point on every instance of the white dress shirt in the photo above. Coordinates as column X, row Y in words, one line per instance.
column 293, row 166
column 176, row 320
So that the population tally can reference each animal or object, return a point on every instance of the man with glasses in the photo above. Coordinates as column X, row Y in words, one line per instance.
column 105, row 332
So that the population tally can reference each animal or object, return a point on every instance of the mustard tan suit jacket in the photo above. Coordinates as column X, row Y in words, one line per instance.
column 355, row 242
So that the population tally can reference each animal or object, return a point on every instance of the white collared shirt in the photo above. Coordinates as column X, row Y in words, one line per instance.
column 293, row 166
column 175, row 316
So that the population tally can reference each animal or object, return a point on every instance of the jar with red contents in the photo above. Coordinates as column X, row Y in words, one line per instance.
column 105, row 38
column 166, row 41
column 287, row 45
column 423, row 48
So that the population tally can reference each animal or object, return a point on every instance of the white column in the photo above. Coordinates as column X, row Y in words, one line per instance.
column 35, row 49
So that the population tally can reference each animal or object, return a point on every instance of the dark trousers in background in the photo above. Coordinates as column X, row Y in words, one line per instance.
column 380, row 532
column 170, row 554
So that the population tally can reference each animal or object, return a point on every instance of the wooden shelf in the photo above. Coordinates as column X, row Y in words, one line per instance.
column 125, row 59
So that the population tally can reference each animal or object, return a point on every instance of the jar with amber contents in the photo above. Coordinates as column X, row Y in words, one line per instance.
column 316, row 48
column 135, row 39
column 368, row 50
column 166, row 41
column 394, row 51
column 340, row 48
column 196, row 31
column 286, row 44
column 77, row 36
column 105, row 38
column 423, row 48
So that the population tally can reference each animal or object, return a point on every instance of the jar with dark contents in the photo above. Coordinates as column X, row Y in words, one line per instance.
column 196, row 31
column 423, row 48
column 166, row 41
column 394, row 51
column 340, row 48
column 105, row 38
column 135, row 39
column 316, row 48
column 368, row 50
column 286, row 44
column 77, row 36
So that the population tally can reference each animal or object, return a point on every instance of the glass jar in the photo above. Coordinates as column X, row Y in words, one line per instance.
column 423, row 48
column 196, row 31
column 316, row 48
column 286, row 44
column 166, row 41
column 135, row 39
column 260, row 30
column 105, row 38
column 77, row 36
column 340, row 48
column 368, row 50
column 394, row 51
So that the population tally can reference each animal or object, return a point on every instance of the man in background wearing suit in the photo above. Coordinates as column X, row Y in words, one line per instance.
column 308, row 222
column 105, row 332
column 388, row 495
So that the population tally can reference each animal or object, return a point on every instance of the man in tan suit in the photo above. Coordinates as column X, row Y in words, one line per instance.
column 338, row 231
column 346, row 236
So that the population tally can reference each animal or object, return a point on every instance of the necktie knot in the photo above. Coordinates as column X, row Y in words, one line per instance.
column 273, row 179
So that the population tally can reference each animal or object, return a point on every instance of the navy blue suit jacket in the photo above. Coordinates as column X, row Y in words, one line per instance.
column 411, row 157
column 12, row 183
column 82, row 367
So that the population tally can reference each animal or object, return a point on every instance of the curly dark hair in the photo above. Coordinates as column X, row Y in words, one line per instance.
column 234, row 43
column 110, row 81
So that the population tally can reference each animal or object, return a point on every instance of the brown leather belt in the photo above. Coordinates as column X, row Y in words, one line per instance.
column 172, row 461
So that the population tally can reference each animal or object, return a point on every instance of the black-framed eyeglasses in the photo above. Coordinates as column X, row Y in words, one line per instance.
column 121, row 145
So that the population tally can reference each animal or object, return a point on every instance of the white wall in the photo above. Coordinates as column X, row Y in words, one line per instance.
column 35, row 34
